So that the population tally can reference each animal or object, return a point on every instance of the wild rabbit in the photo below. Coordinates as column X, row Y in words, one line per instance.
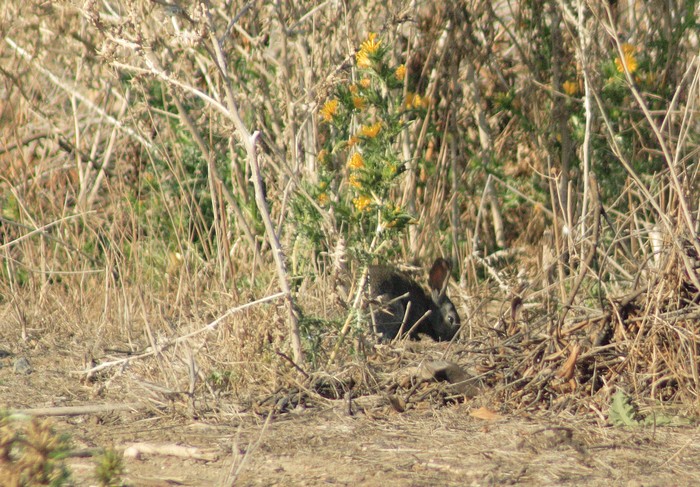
column 393, row 290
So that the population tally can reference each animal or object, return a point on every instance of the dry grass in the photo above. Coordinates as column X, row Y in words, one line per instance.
column 129, row 224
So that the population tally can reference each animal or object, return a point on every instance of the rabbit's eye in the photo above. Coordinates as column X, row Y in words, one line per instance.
column 451, row 319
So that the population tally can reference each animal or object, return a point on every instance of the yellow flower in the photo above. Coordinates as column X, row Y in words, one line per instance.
column 367, row 48
column 329, row 110
column 321, row 156
column 354, row 181
column 362, row 202
column 400, row 72
column 356, row 161
column 370, row 46
column 629, row 59
column 363, row 60
column 353, row 140
column 570, row 87
column 371, row 131
column 414, row 100
column 323, row 199
column 358, row 102
column 365, row 83
column 353, row 89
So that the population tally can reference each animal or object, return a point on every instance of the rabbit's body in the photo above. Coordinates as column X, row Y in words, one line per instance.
column 393, row 290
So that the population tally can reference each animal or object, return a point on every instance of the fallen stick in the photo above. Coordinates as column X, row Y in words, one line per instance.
column 136, row 449
column 78, row 410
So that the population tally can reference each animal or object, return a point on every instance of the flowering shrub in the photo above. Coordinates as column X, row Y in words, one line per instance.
column 359, row 166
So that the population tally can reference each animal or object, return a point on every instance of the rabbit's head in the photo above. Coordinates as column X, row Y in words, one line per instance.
column 444, row 319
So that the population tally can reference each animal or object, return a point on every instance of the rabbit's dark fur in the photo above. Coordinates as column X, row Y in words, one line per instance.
column 387, row 284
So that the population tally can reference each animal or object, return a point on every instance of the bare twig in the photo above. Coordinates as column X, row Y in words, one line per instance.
column 75, row 93
column 160, row 348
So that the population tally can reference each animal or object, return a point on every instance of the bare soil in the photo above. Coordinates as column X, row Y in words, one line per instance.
column 325, row 445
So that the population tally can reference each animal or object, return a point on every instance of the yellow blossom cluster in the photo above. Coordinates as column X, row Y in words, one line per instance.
column 329, row 109
column 367, row 49
column 323, row 199
column 358, row 102
column 354, row 181
column 371, row 131
column 414, row 100
column 628, row 60
column 363, row 60
column 362, row 202
column 356, row 161
column 570, row 87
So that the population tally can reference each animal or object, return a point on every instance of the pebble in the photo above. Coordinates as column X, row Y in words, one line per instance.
column 22, row 366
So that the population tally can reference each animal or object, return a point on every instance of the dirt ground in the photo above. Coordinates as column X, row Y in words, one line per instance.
column 324, row 445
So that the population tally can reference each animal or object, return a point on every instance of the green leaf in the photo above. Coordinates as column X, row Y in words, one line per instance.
column 657, row 419
column 622, row 412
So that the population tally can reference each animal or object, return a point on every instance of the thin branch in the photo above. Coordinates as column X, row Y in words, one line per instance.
column 75, row 93
column 164, row 346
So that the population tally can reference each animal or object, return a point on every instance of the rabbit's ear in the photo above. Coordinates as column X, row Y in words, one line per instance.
column 439, row 276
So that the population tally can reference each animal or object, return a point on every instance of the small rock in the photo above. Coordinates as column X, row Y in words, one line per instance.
column 452, row 373
column 132, row 452
column 22, row 366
